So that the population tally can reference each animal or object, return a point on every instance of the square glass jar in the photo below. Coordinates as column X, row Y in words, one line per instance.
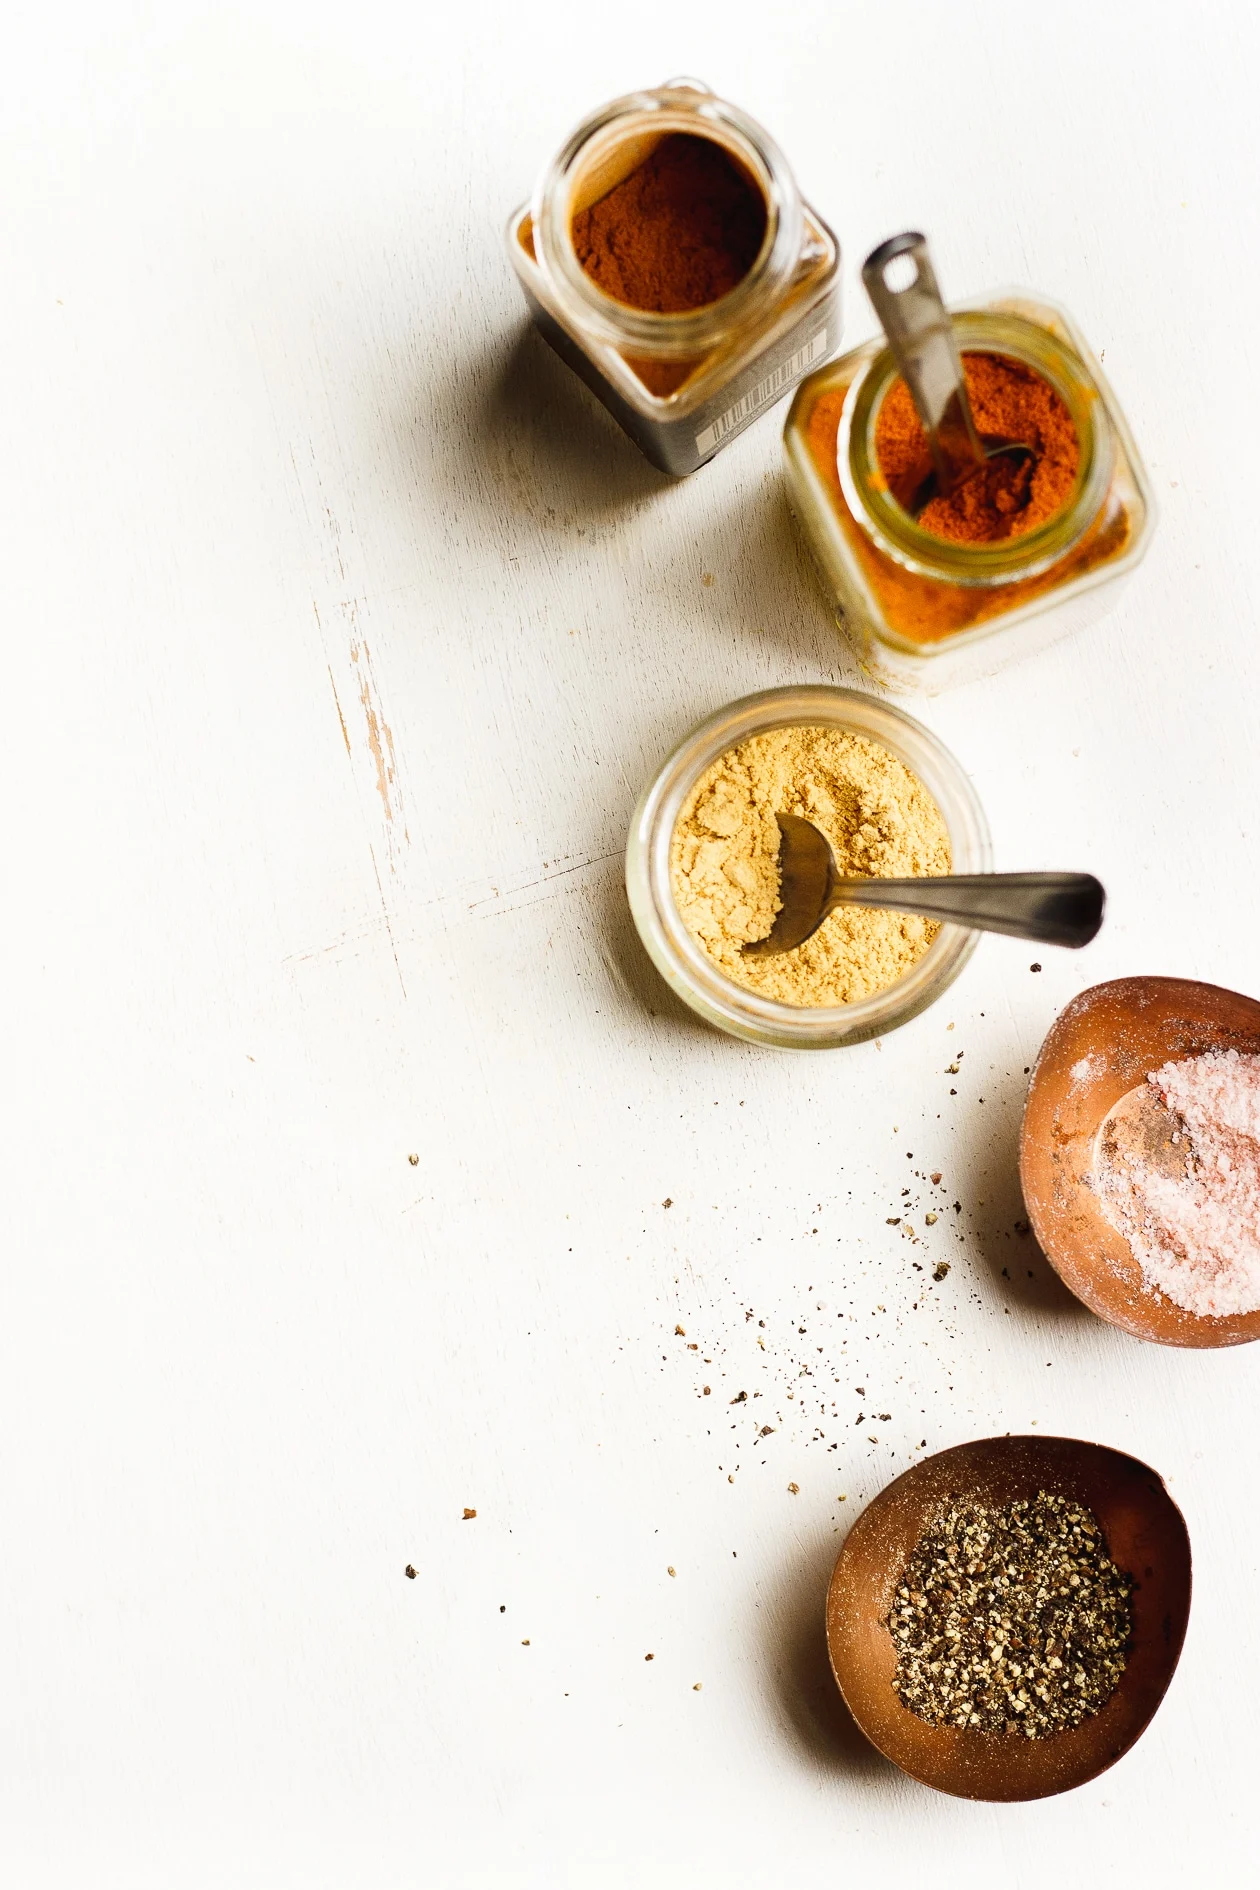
column 923, row 613
column 681, row 385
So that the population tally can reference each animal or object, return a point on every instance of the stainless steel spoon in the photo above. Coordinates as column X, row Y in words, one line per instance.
column 1052, row 908
column 921, row 337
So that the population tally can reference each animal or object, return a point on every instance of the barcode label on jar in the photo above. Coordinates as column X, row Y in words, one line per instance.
column 814, row 349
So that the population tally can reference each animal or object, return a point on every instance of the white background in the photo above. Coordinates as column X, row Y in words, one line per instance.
column 341, row 631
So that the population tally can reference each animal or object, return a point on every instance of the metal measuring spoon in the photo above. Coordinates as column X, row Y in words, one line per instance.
column 1052, row 908
column 921, row 337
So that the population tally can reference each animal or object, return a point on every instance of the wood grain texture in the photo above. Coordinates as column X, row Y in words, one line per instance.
column 341, row 632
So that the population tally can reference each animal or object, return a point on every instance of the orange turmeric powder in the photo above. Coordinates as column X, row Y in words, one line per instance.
column 1006, row 498
column 929, row 609
column 681, row 231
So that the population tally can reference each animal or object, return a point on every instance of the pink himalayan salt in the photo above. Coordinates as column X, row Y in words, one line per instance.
column 1190, row 1208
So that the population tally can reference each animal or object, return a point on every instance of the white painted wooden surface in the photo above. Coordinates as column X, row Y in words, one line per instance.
column 341, row 631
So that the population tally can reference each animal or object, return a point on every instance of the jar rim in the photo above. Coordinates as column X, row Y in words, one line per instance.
column 691, row 973
column 684, row 106
column 978, row 329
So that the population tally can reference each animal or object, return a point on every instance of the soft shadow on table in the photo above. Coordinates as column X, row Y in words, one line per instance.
column 554, row 450
column 524, row 443
column 776, row 599
column 996, row 1234
column 634, row 975
column 820, row 1722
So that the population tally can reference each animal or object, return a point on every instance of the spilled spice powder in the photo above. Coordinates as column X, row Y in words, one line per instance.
column 1008, row 497
column 681, row 231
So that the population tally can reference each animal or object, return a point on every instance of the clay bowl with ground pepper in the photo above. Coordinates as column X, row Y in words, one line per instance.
column 1100, row 1051
column 1145, row 1537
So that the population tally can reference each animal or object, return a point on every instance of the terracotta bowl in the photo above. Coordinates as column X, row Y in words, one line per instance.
column 1145, row 1536
column 1100, row 1050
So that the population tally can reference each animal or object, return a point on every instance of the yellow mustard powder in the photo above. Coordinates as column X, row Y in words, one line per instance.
column 880, row 820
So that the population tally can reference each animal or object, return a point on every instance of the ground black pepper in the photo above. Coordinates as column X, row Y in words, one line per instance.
column 1011, row 1620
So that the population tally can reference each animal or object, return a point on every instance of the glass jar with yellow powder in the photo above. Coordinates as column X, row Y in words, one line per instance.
column 702, row 878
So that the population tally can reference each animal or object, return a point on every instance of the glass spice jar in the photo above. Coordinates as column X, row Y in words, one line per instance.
column 687, row 968
column 718, row 366
column 921, row 612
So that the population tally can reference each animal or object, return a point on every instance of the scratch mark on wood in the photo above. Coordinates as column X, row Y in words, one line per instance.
column 388, row 926
column 380, row 736
column 334, row 533
column 345, row 733
column 496, row 900
column 500, row 903
column 381, row 744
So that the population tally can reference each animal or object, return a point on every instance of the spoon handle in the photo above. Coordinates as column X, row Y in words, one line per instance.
column 921, row 337
column 1051, row 908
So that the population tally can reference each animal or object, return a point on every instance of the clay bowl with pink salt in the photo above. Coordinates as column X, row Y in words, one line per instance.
column 1088, row 1090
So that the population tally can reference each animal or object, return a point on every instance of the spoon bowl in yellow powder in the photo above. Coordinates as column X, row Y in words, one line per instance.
column 880, row 820
column 702, row 864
